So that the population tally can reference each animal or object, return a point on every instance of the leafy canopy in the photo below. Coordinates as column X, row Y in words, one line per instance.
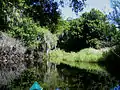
column 92, row 29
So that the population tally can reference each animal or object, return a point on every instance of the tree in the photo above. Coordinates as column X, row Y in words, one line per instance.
column 46, row 12
column 114, row 16
column 61, row 26
column 90, row 30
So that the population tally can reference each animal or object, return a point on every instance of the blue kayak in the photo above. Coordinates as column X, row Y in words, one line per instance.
column 36, row 86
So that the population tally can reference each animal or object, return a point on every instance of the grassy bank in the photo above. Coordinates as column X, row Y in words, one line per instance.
column 85, row 58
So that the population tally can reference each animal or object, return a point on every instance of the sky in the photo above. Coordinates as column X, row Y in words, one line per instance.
column 102, row 5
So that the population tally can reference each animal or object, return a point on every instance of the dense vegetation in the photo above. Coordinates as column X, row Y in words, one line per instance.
column 92, row 29
column 34, row 38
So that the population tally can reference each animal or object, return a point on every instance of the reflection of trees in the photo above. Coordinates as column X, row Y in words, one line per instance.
column 111, row 62
column 83, row 79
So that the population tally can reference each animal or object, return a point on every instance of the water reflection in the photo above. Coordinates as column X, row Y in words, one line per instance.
column 82, row 79
column 66, row 77
column 86, row 65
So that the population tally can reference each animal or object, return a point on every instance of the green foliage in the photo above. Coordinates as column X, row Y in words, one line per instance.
column 114, row 17
column 29, row 76
column 45, row 12
column 94, row 14
column 24, row 29
column 86, row 58
column 33, row 23
column 61, row 26
column 85, row 55
column 15, row 18
column 90, row 30
column 8, row 10
column 27, row 31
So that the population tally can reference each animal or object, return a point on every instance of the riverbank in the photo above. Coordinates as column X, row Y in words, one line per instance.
column 84, row 59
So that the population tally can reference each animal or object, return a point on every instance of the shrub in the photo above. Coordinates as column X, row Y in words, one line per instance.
column 11, row 59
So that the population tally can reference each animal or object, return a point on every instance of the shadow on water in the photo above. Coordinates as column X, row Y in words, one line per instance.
column 111, row 62
column 81, row 79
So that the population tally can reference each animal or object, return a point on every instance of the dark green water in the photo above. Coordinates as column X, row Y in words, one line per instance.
column 64, row 76
column 81, row 79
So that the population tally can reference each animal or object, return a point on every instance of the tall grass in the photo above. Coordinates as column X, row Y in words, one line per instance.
column 85, row 58
column 85, row 55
